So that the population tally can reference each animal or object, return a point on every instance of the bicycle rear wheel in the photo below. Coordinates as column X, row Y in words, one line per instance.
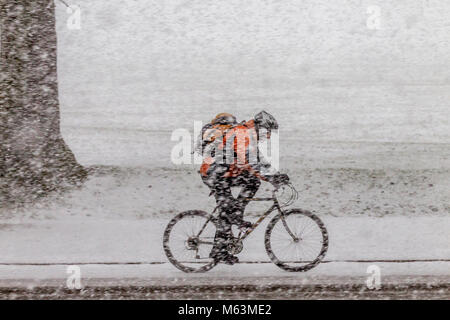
column 296, row 241
column 188, row 240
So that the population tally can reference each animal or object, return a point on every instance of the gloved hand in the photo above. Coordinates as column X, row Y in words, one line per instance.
column 279, row 179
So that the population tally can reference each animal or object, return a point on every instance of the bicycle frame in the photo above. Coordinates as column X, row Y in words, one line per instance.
column 247, row 232
column 274, row 206
column 233, row 241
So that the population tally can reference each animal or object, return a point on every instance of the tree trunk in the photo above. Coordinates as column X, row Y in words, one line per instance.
column 34, row 159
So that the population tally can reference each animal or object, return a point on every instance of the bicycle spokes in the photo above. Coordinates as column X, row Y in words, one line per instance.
column 296, row 240
column 191, row 240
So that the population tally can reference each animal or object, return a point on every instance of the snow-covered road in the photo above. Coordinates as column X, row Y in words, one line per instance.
column 242, row 281
column 112, row 229
column 131, row 251
column 122, row 241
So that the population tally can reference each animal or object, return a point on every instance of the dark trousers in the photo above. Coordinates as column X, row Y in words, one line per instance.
column 231, row 210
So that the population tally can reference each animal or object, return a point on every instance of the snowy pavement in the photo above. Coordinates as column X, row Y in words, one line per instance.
column 140, row 241
column 243, row 273
column 112, row 229
column 243, row 281
column 130, row 253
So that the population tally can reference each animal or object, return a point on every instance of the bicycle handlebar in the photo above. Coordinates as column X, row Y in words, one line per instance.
column 293, row 197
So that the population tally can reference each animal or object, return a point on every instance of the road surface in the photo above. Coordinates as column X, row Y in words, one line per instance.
column 333, row 280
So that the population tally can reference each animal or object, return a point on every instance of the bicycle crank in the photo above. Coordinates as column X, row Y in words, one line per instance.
column 235, row 246
column 192, row 243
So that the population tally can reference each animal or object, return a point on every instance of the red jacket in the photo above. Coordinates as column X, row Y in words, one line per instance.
column 243, row 140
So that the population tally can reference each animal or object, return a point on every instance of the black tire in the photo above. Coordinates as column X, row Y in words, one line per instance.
column 183, row 266
column 311, row 263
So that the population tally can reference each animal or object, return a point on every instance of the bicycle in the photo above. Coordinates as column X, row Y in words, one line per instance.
column 197, row 239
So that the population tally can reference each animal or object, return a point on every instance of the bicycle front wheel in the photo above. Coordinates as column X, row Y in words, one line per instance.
column 296, row 240
column 188, row 240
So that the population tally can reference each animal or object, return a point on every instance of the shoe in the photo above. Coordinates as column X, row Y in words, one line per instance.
column 229, row 259
column 225, row 258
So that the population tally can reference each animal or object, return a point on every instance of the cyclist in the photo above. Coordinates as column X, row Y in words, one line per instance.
column 232, row 159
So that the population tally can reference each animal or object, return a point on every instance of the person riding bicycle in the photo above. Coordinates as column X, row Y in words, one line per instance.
column 232, row 159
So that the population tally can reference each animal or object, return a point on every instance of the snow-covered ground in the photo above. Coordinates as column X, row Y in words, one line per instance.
column 90, row 240
column 364, row 135
column 112, row 226
column 374, row 211
column 146, row 193
column 125, row 249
